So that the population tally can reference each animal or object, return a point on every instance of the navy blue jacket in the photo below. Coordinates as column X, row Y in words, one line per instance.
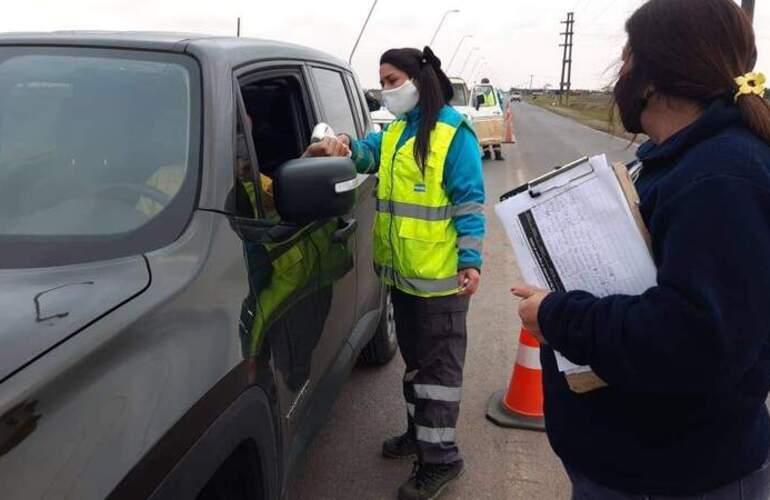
column 687, row 362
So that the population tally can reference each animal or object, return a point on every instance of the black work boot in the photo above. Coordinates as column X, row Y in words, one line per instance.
column 429, row 480
column 403, row 446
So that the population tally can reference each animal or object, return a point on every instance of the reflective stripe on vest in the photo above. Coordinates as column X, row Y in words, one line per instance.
column 428, row 213
column 415, row 239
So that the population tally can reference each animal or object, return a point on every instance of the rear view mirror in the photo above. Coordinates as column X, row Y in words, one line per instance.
column 372, row 102
column 310, row 189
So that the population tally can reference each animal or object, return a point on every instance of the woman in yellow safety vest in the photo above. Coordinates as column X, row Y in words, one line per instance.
column 427, row 249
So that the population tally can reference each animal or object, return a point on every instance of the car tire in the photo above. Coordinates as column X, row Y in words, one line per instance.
column 487, row 155
column 498, row 155
column 383, row 346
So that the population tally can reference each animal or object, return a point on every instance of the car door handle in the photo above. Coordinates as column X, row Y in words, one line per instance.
column 344, row 233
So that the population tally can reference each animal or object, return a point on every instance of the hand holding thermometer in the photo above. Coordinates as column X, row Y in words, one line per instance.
column 321, row 132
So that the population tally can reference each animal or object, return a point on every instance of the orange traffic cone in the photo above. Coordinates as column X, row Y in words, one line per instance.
column 521, row 406
column 509, row 138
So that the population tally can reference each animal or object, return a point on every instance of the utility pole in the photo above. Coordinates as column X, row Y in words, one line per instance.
column 566, row 64
column 350, row 59
column 238, row 29
column 748, row 6
column 531, row 81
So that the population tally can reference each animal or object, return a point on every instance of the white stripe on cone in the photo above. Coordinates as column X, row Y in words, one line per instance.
column 528, row 357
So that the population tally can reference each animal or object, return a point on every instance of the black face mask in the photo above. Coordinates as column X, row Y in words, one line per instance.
column 631, row 103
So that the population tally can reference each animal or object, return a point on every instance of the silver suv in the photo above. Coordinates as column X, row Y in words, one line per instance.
column 181, row 294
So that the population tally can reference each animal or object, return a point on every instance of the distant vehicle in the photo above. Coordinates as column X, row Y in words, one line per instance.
column 461, row 102
column 379, row 113
column 183, row 296
column 488, row 119
column 461, row 99
column 516, row 97
column 382, row 117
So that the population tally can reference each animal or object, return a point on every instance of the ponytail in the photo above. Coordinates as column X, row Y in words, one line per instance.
column 755, row 112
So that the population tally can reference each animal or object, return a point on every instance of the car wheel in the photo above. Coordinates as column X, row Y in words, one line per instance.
column 498, row 155
column 487, row 155
column 381, row 349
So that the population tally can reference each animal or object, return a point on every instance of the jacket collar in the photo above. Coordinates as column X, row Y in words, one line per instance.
column 719, row 115
column 412, row 116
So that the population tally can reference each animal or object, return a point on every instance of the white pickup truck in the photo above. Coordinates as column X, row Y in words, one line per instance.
column 488, row 119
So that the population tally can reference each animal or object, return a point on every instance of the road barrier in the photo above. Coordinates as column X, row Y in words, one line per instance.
column 521, row 406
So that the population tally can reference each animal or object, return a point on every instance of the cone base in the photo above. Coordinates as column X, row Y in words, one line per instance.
column 503, row 417
column 510, row 141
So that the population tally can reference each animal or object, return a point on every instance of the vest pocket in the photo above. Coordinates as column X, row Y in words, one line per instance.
column 426, row 249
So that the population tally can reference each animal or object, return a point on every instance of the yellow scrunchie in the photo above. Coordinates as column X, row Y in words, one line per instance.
column 751, row 83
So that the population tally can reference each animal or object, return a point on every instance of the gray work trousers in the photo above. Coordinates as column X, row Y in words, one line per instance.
column 755, row 486
column 432, row 338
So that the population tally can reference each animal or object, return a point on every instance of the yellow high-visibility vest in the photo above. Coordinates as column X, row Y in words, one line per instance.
column 415, row 242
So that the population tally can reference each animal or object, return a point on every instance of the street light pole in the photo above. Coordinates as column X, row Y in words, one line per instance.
column 476, row 65
column 449, row 66
column 748, row 6
column 443, row 18
column 352, row 52
column 477, row 73
column 238, row 29
column 467, row 59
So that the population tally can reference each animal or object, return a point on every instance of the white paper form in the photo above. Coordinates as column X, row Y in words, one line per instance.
column 579, row 234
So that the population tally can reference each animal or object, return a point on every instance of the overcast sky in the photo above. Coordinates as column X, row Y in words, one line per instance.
column 515, row 38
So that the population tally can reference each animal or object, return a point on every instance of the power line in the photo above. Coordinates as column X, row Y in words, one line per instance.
column 606, row 9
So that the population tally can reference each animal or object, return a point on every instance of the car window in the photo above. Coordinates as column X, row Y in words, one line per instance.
column 96, row 145
column 334, row 100
column 363, row 117
column 275, row 107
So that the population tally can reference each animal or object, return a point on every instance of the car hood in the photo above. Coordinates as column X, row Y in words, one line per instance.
column 485, row 112
column 41, row 308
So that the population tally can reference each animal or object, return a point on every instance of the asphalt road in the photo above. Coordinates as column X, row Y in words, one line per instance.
column 344, row 461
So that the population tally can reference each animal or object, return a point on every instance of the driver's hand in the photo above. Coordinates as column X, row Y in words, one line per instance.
column 328, row 146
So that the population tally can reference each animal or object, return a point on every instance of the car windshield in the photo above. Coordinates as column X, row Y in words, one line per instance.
column 460, row 96
column 489, row 94
column 93, row 143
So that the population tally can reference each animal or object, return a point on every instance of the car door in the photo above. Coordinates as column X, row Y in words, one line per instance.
column 369, row 286
column 336, row 109
column 290, row 266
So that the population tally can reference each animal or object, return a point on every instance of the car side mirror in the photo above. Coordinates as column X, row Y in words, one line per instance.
column 310, row 189
column 372, row 103
column 479, row 101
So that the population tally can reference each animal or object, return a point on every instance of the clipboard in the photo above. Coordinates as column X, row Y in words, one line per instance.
column 587, row 381
column 532, row 185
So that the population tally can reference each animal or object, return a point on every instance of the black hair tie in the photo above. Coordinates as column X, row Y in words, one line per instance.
column 430, row 57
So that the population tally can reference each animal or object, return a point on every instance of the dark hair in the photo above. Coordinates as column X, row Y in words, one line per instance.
column 424, row 68
column 695, row 50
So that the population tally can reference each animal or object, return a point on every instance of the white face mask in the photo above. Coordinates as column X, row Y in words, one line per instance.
column 401, row 100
